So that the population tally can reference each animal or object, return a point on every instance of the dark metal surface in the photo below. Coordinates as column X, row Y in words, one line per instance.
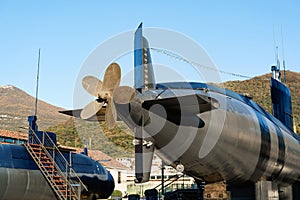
column 16, row 184
column 20, row 178
column 250, row 147
column 99, row 116
column 281, row 101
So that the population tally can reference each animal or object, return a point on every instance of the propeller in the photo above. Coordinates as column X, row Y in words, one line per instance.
column 107, row 92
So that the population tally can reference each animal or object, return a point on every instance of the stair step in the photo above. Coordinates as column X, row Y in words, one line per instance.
column 59, row 181
column 51, row 170
column 48, row 166
column 61, row 186
column 37, row 145
column 39, row 152
column 58, row 184
column 65, row 191
column 47, row 162
column 36, row 148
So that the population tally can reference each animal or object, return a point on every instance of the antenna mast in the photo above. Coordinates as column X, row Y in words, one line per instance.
column 275, row 46
column 283, row 58
column 37, row 83
column 276, row 69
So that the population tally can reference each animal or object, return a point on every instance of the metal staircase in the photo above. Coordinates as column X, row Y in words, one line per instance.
column 56, row 169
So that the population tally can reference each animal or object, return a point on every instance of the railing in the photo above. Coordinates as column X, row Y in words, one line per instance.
column 170, row 180
column 61, row 167
column 172, row 184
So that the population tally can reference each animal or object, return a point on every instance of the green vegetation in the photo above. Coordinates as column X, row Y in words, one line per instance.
column 116, row 193
column 67, row 134
column 116, row 142
column 259, row 89
column 118, row 136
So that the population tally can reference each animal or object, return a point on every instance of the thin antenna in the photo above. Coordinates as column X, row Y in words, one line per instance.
column 37, row 83
column 276, row 69
column 277, row 59
column 275, row 46
column 278, row 64
column 283, row 58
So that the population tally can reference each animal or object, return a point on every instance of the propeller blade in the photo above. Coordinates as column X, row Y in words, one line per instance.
column 112, row 77
column 92, row 85
column 91, row 109
column 123, row 94
column 110, row 114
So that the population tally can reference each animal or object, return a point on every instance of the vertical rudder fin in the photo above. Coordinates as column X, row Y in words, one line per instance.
column 143, row 69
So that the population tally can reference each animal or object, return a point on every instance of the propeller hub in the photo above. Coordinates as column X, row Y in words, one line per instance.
column 100, row 100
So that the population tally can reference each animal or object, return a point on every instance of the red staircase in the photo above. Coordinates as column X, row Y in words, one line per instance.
column 57, row 171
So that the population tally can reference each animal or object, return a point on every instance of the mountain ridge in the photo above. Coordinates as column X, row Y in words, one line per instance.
column 16, row 105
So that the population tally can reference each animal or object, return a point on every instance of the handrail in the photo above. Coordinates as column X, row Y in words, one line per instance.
column 60, row 163
column 169, row 187
column 68, row 166
column 175, row 178
column 46, row 173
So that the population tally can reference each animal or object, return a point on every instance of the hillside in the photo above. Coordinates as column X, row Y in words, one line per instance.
column 116, row 142
column 259, row 89
column 16, row 105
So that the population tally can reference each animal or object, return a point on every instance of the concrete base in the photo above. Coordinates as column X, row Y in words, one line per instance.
column 262, row 190
column 266, row 190
column 215, row 191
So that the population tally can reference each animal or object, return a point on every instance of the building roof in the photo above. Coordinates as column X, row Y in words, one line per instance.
column 13, row 135
column 97, row 155
column 104, row 159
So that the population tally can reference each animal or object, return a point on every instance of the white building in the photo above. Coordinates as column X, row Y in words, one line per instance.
column 118, row 171
column 156, row 177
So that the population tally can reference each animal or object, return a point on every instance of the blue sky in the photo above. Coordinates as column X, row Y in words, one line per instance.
column 237, row 35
